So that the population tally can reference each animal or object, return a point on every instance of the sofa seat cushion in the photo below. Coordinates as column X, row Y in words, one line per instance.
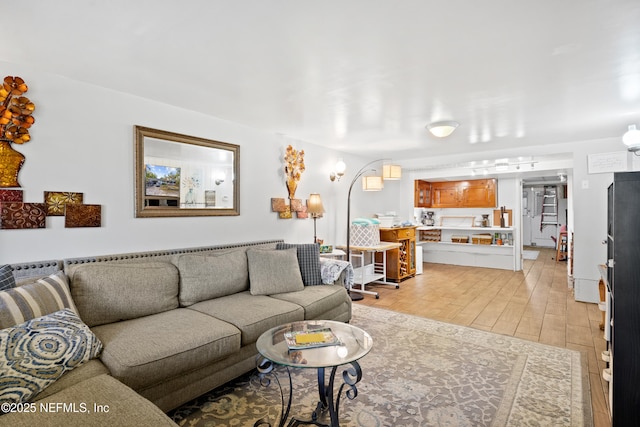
column 92, row 368
column 95, row 402
column 252, row 314
column 316, row 300
column 147, row 350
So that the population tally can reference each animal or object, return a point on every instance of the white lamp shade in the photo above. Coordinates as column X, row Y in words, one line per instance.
column 372, row 183
column 314, row 204
column 631, row 138
column 391, row 172
column 442, row 129
column 341, row 167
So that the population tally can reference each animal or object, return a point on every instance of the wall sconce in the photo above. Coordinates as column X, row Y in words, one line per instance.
column 220, row 178
column 391, row 172
column 340, row 167
column 442, row 129
column 315, row 209
column 631, row 139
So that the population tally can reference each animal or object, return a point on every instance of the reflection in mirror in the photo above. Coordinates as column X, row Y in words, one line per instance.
column 179, row 175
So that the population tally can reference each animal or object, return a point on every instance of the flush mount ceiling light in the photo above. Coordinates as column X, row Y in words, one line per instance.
column 631, row 139
column 442, row 129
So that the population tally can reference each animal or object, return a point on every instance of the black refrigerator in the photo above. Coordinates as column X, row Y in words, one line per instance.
column 623, row 252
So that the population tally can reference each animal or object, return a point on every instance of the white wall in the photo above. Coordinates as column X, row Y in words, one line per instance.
column 82, row 141
column 590, row 216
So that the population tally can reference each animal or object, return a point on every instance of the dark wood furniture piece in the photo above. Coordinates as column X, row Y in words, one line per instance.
column 401, row 262
column 623, row 253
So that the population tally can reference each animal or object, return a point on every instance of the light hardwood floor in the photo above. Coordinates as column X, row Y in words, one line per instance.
column 535, row 304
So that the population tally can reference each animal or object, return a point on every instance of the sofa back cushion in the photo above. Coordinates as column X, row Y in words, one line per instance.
column 34, row 299
column 274, row 271
column 107, row 293
column 308, row 260
column 204, row 277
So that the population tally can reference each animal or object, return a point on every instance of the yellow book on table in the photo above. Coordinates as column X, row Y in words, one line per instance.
column 310, row 338
column 300, row 340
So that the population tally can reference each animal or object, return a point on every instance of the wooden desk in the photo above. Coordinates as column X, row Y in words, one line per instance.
column 373, row 272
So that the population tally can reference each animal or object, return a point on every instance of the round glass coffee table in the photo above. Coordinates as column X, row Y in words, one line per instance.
column 354, row 343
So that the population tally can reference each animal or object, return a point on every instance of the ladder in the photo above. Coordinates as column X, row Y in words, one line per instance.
column 549, row 207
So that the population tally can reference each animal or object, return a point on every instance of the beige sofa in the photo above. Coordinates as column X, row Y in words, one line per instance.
column 177, row 324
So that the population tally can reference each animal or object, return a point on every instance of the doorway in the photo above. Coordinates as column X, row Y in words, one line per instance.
column 537, row 228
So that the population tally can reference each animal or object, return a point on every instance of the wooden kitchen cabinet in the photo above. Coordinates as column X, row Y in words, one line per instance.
column 477, row 193
column 422, row 194
column 446, row 194
column 401, row 262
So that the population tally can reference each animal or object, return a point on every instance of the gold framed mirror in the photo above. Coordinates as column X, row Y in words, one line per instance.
column 180, row 175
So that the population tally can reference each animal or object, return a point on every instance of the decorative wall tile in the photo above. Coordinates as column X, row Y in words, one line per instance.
column 16, row 215
column 278, row 205
column 297, row 205
column 10, row 195
column 82, row 215
column 302, row 213
column 57, row 200
column 286, row 214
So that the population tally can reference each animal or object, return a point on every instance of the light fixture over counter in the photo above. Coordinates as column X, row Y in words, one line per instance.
column 443, row 128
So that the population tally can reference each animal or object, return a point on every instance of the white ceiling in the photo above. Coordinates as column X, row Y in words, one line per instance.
column 361, row 76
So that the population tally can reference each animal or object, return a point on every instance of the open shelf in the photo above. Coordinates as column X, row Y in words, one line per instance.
column 470, row 254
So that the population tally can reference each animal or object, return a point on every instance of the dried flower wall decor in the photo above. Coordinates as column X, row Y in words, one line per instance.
column 293, row 169
column 15, row 120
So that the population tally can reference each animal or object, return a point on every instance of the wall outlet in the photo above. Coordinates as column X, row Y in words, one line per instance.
column 585, row 184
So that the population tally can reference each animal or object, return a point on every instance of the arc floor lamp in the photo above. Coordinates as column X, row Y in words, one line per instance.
column 369, row 183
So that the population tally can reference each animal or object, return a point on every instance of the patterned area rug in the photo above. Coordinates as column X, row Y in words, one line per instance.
column 421, row 372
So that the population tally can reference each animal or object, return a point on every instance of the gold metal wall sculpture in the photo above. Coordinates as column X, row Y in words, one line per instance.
column 15, row 121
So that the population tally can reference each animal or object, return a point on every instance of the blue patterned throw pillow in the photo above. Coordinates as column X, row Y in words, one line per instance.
column 308, row 260
column 7, row 280
column 36, row 353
